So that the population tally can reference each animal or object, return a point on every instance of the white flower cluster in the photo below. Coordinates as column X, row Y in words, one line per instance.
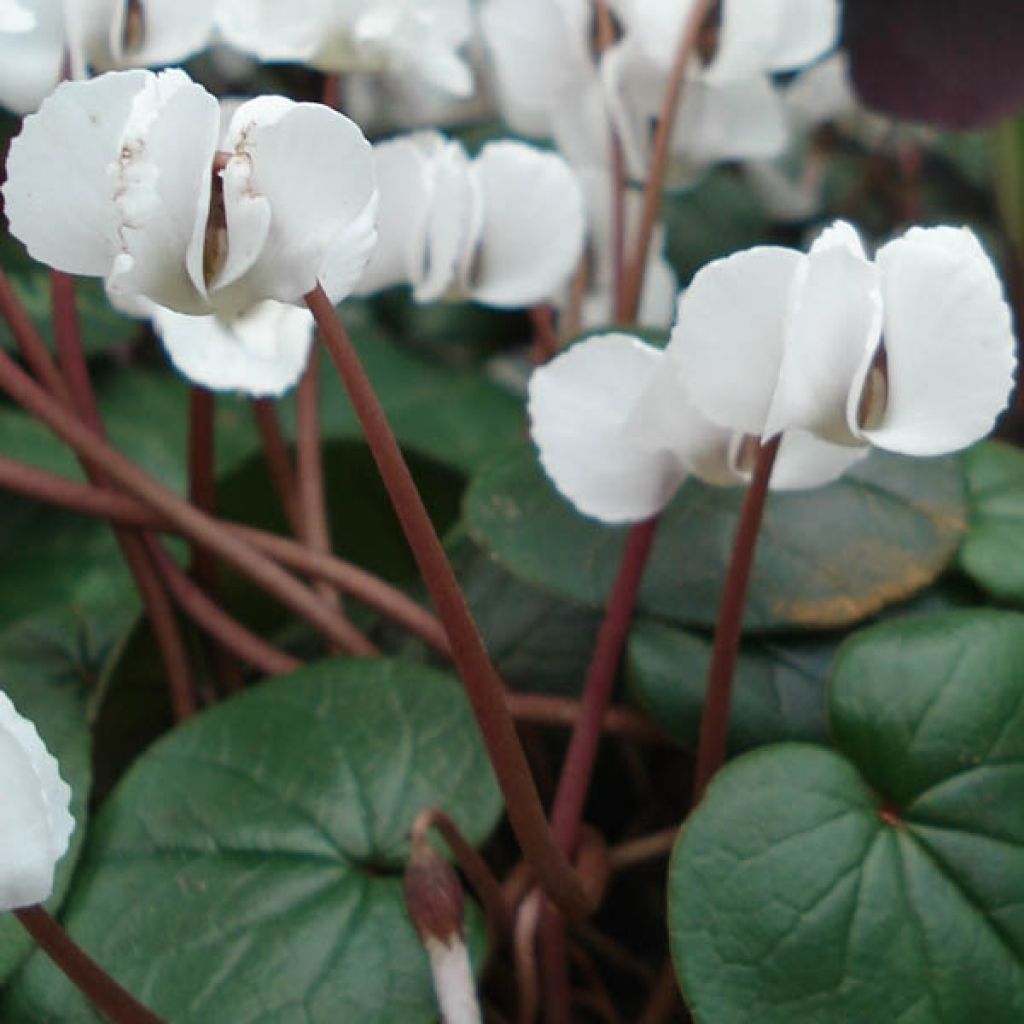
column 912, row 351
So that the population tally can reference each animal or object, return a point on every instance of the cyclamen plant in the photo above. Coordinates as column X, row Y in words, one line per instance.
column 743, row 415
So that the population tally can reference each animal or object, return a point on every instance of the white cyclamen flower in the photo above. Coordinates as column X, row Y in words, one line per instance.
column 14, row 17
column 547, row 79
column 913, row 352
column 418, row 36
column 505, row 229
column 97, row 34
column 729, row 108
column 115, row 178
column 35, row 821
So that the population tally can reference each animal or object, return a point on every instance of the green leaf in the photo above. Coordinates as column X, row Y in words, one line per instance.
column 993, row 550
column 884, row 883
column 47, row 665
column 779, row 689
column 248, row 866
column 825, row 558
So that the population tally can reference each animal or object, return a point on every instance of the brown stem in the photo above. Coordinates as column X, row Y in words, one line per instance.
column 31, row 346
column 222, row 627
column 664, row 997
column 638, row 851
column 310, row 471
column 121, row 508
column 187, row 519
column 279, row 462
column 81, row 399
column 659, row 160
column 545, row 339
column 540, row 709
column 483, row 687
column 91, row 980
column 714, row 723
column 578, row 767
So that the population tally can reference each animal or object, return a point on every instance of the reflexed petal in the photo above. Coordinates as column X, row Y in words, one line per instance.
column 272, row 30
column 59, row 196
column 834, row 325
column 582, row 408
column 402, row 169
column 531, row 229
column 168, row 33
column 32, row 58
column 805, row 461
column 161, row 187
column 15, row 18
column 729, row 335
column 779, row 35
column 349, row 252
column 819, row 94
column 35, row 823
column 448, row 221
column 315, row 169
column 948, row 340
column 633, row 91
column 742, row 120
column 260, row 353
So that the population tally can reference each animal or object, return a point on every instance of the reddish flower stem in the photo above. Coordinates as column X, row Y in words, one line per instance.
column 30, row 344
column 121, row 508
column 187, row 519
column 714, row 723
column 636, row 269
column 310, row 471
column 221, row 626
column 91, row 980
column 578, row 767
column 75, row 373
column 279, row 462
column 545, row 340
column 483, row 686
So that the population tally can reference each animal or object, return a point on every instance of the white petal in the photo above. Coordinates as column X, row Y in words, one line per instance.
column 805, row 461
column 271, row 30
column 161, row 184
column 742, row 120
column 729, row 335
column 772, row 35
column 833, row 329
column 583, row 406
column 633, row 91
column 948, row 340
column 402, row 169
column 532, row 225
column 170, row 33
column 822, row 93
column 15, row 18
column 449, row 216
column 35, row 822
column 59, row 196
column 32, row 58
column 260, row 353
column 315, row 169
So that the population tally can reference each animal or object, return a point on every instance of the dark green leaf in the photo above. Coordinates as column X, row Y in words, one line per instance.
column 825, row 558
column 884, row 883
column 779, row 688
column 993, row 550
column 248, row 866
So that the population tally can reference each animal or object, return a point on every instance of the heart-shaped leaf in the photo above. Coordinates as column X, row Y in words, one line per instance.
column 248, row 866
column 993, row 550
column 883, row 883
column 47, row 665
column 779, row 691
column 825, row 558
